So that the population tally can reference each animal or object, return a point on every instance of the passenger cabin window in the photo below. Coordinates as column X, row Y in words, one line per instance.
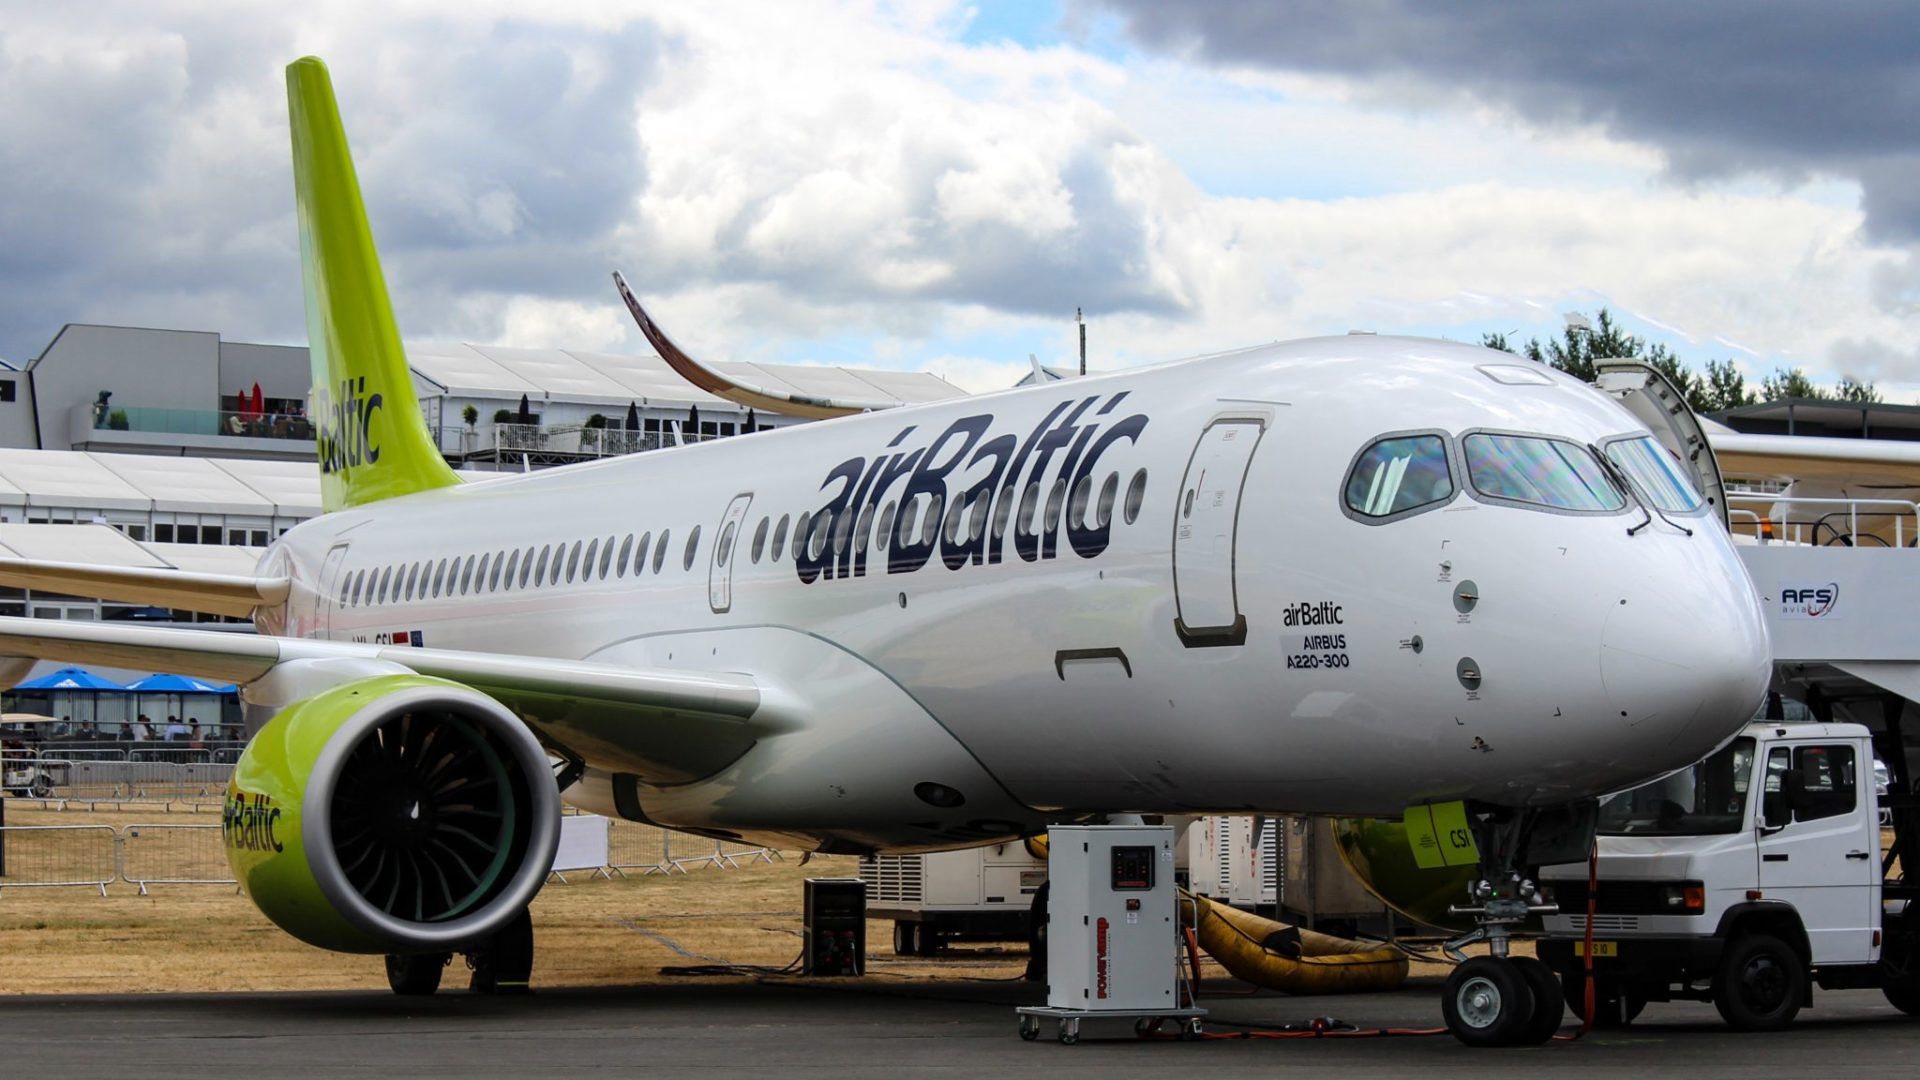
column 1539, row 472
column 1398, row 475
column 1655, row 474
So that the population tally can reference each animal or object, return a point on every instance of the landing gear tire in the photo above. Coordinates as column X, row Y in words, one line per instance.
column 418, row 975
column 1549, row 1004
column 1616, row 1007
column 904, row 935
column 1904, row 994
column 1487, row 1002
column 1761, row 984
column 503, row 964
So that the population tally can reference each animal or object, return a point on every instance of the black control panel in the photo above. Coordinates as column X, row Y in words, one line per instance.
column 1133, row 868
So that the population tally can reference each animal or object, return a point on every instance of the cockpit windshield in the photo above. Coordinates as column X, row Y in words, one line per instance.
column 1655, row 474
column 1397, row 474
column 1706, row 800
column 1539, row 471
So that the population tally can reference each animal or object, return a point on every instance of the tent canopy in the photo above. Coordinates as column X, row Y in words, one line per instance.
column 70, row 678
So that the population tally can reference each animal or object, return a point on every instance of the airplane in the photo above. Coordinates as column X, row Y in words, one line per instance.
column 1343, row 575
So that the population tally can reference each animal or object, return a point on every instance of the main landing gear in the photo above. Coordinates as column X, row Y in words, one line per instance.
column 1500, row 999
column 502, row 964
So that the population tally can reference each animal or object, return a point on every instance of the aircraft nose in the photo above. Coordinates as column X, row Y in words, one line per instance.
column 1688, row 658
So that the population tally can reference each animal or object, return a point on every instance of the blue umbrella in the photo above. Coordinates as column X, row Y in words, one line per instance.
column 75, row 681
column 174, row 684
column 70, row 678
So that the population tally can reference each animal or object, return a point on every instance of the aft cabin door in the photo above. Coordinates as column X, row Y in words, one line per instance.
column 726, row 551
column 1205, row 522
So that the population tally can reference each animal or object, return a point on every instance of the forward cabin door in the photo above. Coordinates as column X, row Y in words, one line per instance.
column 726, row 551
column 1206, row 520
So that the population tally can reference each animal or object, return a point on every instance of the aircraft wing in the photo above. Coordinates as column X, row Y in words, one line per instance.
column 666, row 726
column 1877, row 462
column 218, row 594
column 725, row 386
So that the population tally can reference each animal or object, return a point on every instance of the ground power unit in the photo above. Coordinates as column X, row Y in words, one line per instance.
column 1113, row 932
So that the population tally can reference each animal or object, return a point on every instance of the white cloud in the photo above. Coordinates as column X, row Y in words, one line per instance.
column 852, row 184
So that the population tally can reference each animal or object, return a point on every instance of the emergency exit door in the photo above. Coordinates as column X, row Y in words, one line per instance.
column 726, row 551
column 327, row 593
column 1206, row 519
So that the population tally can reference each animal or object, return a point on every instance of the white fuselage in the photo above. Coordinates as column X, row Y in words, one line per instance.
column 1236, row 640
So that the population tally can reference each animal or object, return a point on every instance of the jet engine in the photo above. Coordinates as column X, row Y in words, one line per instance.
column 392, row 814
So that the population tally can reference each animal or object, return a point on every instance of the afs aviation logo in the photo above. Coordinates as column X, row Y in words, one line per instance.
column 1809, row 601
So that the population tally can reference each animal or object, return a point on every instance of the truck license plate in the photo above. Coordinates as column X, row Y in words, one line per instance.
column 1600, row 948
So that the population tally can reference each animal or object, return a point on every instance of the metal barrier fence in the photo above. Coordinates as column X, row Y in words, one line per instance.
column 51, row 856
column 105, row 780
column 94, row 856
column 173, row 855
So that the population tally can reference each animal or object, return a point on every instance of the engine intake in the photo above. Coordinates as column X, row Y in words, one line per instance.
column 393, row 814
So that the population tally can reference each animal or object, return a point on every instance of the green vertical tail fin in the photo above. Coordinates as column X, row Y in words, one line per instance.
column 372, row 440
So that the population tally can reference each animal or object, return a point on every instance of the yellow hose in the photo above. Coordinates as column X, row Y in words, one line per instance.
column 1326, row 964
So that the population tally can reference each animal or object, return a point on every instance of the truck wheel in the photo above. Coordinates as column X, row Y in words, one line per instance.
column 1549, row 1005
column 1618, row 1006
column 1904, row 994
column 42, row 786
column 1486, row 1002
column 1760, row 985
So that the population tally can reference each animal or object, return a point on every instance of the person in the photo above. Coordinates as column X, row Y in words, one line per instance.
column 175, row 729
column 197, row 738
column 143, row 729
column 126, row 732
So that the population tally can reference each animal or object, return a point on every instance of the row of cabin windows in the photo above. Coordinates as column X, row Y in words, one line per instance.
column 506, row 571
column 591, row 560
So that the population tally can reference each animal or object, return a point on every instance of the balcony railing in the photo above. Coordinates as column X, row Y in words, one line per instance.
column 579, row 439
column 211, row 423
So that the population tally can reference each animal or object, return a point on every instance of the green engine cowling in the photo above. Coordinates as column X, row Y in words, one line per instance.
column 392, row 814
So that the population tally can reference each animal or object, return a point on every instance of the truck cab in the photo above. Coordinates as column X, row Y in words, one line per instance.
column 1748, row 879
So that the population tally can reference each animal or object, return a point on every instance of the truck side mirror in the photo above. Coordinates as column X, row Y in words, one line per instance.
column 1794, row 784
column 1774, row 811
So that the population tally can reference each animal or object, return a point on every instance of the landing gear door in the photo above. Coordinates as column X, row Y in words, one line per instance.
column 726, row 551
column 1205, row 522
column 1653, row 400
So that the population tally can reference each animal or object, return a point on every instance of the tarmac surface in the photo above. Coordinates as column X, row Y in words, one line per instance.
column 877, row 1027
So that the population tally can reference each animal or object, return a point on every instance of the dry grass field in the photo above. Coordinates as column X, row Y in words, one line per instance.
column 589, row 932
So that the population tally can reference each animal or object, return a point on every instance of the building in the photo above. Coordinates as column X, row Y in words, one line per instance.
column 133, row 390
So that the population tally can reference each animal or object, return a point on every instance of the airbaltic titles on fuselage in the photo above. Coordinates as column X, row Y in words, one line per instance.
column 969, row 495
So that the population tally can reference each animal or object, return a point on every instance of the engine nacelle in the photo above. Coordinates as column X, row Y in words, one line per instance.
column 392, row 814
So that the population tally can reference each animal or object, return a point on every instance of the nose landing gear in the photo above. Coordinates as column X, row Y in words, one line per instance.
column 1500, row 999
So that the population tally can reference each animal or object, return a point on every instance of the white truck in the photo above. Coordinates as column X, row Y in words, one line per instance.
column 1748, row 880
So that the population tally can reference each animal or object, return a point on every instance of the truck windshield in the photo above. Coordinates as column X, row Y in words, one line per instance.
column 1707, row 799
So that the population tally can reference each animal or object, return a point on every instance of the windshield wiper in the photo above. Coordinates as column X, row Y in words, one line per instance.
column 1647, row 506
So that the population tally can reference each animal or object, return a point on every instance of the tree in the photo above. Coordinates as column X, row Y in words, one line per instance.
column 470, row 415
column 1496, row 341
column 1852, row 389
column 1723, row 388
column 1790, row 384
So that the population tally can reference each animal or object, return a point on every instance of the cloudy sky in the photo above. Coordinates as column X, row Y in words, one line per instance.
column 938, row 185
